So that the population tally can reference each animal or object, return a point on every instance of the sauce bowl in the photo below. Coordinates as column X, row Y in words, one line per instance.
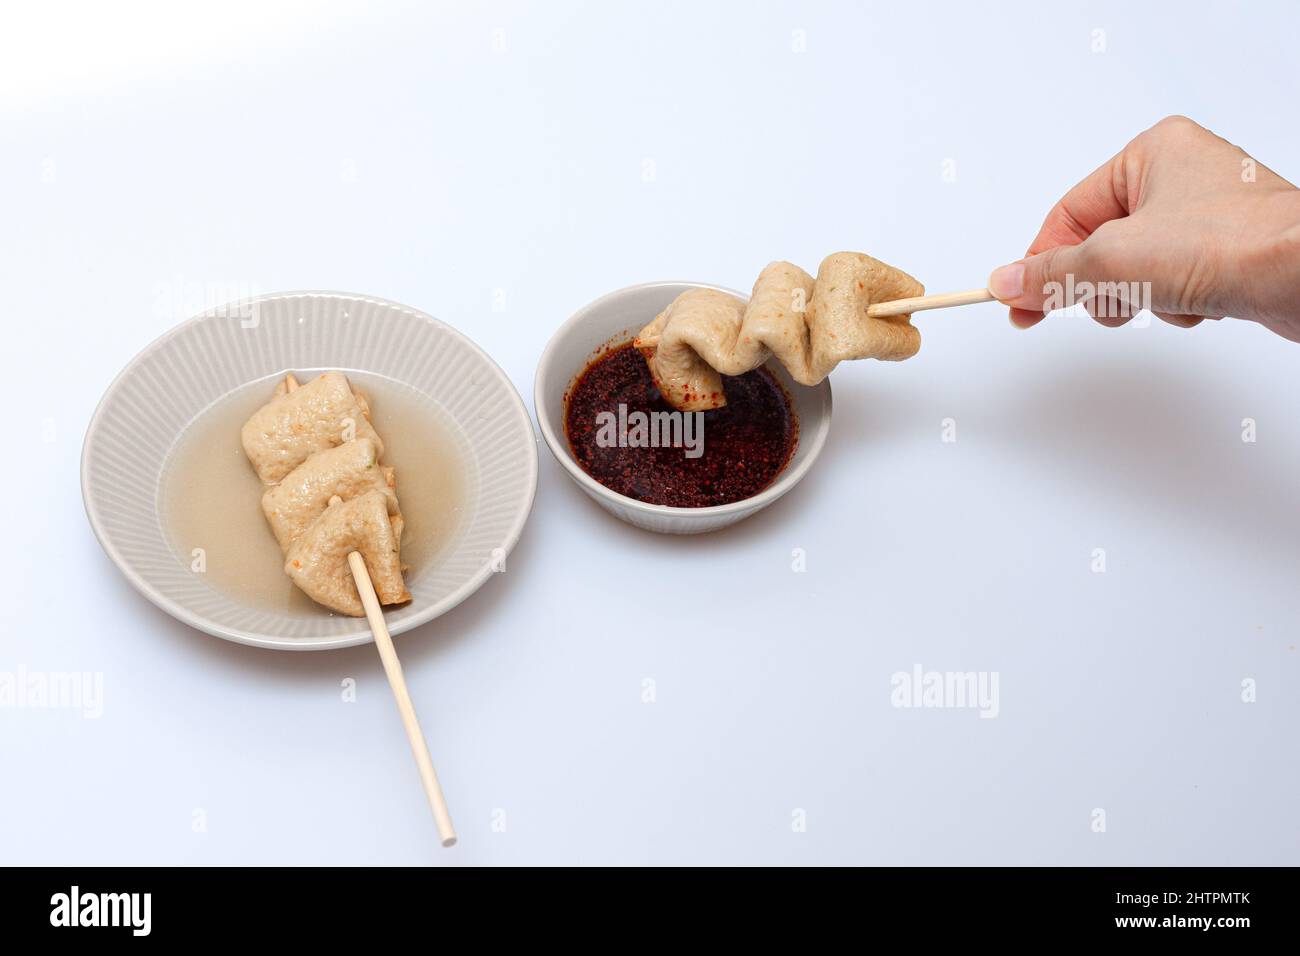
column 617, row 317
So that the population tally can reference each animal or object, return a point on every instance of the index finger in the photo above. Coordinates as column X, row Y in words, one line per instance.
column 1099, row 198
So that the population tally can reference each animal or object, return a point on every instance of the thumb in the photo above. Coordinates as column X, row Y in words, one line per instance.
column 1062, row 277
column 1027, row 284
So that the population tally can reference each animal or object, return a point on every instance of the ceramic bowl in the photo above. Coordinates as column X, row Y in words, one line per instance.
column 616, row 317
column 167, row 388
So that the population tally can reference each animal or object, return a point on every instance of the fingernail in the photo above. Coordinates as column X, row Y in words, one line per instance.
column 1008, row 282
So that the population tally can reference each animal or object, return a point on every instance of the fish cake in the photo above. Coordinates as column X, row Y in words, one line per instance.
column 348, row 470
column 317, row 561
column 808, row 325
column 316, row 416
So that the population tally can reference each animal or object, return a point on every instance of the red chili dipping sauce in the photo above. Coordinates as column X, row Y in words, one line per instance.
column 723, row 455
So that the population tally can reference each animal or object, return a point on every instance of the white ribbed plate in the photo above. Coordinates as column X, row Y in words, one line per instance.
column 171, row 382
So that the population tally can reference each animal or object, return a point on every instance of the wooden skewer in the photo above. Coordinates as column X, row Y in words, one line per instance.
column 920, row 303
column 397, row 681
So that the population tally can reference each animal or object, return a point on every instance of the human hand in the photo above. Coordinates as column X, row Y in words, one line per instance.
column 1180, row 222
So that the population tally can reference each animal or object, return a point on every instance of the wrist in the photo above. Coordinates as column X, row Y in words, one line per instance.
column 1268, row 264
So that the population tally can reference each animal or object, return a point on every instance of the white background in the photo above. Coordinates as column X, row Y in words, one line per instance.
column 436, row 156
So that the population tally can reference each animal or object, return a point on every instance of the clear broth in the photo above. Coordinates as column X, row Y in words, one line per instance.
column 210, row 497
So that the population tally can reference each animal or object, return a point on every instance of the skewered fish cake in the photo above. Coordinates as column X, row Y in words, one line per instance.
column 317, row 560
column 328, row 495
column 349, row 470
column 809, row 325
column 299, row 422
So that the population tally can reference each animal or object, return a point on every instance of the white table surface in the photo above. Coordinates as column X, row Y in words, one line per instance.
column 499, row 166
